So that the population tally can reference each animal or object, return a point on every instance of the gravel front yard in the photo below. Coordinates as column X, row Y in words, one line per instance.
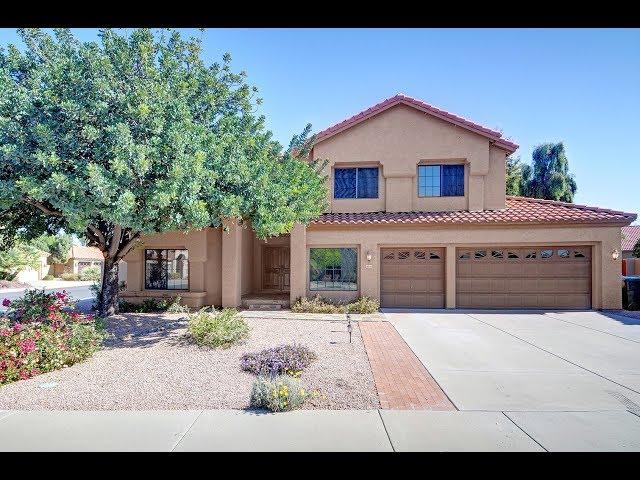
column 144, row 367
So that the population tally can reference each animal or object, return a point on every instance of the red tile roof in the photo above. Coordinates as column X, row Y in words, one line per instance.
column 519, row 210
column 631, row 236
column 493, row 135
column 80, row 251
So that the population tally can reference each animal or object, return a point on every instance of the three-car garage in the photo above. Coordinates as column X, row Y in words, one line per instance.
column 492, row 276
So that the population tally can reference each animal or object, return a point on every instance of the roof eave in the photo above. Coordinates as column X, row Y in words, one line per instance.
column 492, row 135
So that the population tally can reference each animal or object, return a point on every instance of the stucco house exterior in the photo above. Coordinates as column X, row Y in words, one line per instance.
column 80, row 257
column 30, row 274
column 417, row 217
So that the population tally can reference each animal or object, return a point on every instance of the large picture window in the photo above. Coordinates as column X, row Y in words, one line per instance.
column 166, row 269
column 441, row 180
column 355, row 183
column 333, row 269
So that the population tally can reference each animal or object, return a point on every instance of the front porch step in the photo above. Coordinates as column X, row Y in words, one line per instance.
column 265, row 303
column 253, row 306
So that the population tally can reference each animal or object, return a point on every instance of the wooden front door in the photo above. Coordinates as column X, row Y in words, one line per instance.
column 275, row 269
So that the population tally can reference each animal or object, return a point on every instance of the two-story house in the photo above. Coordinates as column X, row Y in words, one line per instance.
column 418, row 217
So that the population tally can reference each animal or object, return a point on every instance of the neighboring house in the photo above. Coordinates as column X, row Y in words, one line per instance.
column 28, row 274
column 80, row 257
column 631, row 236
column 417, row 217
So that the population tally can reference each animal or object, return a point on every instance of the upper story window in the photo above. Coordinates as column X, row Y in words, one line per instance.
column 166, row 269
column 355, row 183
column 440, row 180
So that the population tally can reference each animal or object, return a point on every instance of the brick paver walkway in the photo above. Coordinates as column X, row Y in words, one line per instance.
column 403, row 383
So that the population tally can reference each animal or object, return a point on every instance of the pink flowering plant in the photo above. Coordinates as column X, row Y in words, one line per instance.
column 41, row 332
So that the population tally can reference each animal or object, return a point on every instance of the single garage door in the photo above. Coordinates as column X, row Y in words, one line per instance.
column 517, row 277
column 412, row 277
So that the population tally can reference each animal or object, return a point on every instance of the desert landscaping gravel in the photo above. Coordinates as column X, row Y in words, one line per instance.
column 150, row 363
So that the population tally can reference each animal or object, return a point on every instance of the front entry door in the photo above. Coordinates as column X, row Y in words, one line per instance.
column 275, row 269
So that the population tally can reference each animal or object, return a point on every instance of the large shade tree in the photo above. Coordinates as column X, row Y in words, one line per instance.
column 513, row 174
column 135, row 134
column 57, row 246
column 548, row 176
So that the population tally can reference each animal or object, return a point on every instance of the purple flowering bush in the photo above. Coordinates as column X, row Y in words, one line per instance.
column 283, row 359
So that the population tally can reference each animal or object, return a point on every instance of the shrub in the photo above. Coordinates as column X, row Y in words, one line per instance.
column 318, row 305
column 364, row 305
column 176, row 307
column 91, row 273
column 315, row 305
column 70, row 276
column 31, row 343
column 153, row 305
column 36, row 304
column 283, row 359
column 279, row 394
column 48, row 277
column 217, row 329
column 148, row 305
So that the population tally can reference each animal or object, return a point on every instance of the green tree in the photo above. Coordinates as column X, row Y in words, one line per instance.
column 132, row 135
column 513, row 176
column 58, row 246
column 24, row 223
column 548, row 177
column 636, row 249
column 14, row 259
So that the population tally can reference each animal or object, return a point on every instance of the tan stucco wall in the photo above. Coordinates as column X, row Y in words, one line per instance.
column 399, row 139
column 606, row 271
column 213, row 268
column 494, row 182
column 247, row 259
column 220, row 260
column 204, row 248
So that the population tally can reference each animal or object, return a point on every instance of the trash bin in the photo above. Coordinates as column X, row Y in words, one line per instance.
column 631, row 293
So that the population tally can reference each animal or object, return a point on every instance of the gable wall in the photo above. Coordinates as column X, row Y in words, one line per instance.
column 398, row 140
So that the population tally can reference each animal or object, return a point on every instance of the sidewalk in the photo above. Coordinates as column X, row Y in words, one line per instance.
column 317, row 430
column 48, row 285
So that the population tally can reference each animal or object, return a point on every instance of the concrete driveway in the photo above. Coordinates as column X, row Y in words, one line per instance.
column 567, row 379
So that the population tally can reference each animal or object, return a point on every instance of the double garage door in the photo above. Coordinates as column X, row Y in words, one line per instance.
column 489, row 277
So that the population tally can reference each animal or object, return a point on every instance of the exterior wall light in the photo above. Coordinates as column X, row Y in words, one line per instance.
column 369, row 256
column 615, row 254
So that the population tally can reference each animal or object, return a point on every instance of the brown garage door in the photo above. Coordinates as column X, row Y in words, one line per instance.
column 517, row 277
column 412, row 277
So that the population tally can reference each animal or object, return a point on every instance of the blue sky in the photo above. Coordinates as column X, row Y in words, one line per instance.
column 579, row 86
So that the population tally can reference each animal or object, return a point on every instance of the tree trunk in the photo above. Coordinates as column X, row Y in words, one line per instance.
column 108, row 296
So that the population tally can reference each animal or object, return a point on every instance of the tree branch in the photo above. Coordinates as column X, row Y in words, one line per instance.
column 92, row 237
column 101, row 240
column 42, row 207
column 115, row 241
column 127, row 246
